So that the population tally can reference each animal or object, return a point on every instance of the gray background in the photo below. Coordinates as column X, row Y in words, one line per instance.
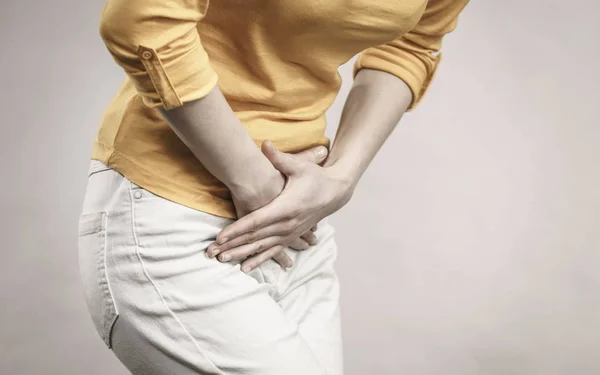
column 471, row 245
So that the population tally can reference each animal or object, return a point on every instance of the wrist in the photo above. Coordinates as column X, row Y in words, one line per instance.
column 345, row 171
column 345, row 180
column 259, row 182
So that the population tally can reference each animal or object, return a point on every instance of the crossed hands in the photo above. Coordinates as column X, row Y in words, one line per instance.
column 286, row 212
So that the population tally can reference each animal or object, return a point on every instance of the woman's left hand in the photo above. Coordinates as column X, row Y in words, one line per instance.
column 311, row 193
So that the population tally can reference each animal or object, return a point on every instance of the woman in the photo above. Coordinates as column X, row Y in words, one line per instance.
column 222, row 116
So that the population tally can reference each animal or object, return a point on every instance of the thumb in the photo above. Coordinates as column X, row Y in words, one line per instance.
column 283, row 162
column 314, row 155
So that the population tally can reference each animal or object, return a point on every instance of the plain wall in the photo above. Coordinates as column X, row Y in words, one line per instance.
column 470, row 247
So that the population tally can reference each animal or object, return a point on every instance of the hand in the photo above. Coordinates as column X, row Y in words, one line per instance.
column 269, row 188
column 259, row 194
column 310, row 194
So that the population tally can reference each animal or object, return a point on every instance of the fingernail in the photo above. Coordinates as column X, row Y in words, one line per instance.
column 246, row 269
column 321, row 151
column 225, row 257
column 213, row 253
column 286, row 266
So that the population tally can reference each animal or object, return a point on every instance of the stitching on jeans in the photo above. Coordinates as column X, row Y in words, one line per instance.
column 105, row 224
column 171, row 312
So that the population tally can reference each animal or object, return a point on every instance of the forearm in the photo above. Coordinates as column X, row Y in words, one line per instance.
column 210, row 129
column 374, row 106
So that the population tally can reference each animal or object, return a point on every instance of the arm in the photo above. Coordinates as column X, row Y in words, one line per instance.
column 389, row 80
column 214, row 134
column 158, row 46
column 373, row 107
column 377, row 101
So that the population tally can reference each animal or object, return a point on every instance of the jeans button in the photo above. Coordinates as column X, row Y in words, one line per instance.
column 137, row 194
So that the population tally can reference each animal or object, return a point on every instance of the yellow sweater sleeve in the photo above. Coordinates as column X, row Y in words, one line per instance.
column 414, row 57
column 156, row 42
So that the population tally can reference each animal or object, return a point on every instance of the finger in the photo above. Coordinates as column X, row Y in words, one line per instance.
column 255, row 261
column 274, row 212
column 284, row 163
column 244, row 251
column 283, row 259
column 310, row 238
column 314, row 155
column 279, row 228
column 212, row 250
column 299, row 244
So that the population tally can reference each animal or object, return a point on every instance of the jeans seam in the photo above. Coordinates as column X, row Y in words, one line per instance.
column 111, row 324
column 96, row 166
column 153, row 283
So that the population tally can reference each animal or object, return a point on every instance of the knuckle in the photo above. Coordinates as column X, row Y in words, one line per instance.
column 292, row 212
column 294, row 223
column 288, row 227
column 251, row 237
column 254, row 225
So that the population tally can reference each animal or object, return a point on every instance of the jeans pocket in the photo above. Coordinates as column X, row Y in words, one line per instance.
column 92, row 264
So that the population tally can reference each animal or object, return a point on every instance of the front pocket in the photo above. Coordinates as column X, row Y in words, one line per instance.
column 92, row 265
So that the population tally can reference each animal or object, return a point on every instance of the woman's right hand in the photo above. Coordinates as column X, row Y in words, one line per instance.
column 268, row 187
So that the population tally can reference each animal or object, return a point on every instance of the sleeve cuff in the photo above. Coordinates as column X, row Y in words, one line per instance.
column 170, row 82
column 415, row 71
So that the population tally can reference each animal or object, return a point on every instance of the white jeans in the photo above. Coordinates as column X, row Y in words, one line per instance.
column 164, row 307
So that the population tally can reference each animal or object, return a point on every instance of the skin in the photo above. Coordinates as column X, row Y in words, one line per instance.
column 374, row 106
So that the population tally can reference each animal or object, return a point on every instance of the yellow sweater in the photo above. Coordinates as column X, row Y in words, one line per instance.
column 275, row 61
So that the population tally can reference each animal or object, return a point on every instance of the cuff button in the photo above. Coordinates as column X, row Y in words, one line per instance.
column 147, row 55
